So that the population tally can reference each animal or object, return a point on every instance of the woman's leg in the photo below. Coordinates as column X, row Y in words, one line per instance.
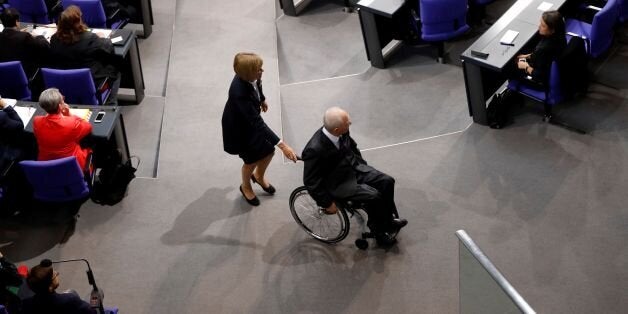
column 247, row 171
column 262, row 165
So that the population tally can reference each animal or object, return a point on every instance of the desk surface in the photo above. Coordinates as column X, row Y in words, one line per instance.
column 523, row 17
column 382, row 7
column 102, row 129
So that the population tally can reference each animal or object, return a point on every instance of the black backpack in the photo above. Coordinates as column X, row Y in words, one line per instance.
column 111, row 183
column 497, row 112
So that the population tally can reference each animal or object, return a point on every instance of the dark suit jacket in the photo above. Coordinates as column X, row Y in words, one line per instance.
column 330, row 172
column 21, row 46
column 10, row 122
column 56, row 303
column 91, row 52
column 546, row 51
column 242, row 124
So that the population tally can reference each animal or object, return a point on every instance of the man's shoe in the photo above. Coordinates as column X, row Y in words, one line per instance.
column 385, row 239
column 254, row 201
column 398, row 223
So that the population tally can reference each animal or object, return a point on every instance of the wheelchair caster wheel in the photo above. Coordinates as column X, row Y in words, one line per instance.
column 361, row 244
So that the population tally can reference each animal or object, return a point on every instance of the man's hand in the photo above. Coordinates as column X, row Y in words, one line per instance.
column 331, row 210
column 2, row 105
column 264, row 106
column 522, row 65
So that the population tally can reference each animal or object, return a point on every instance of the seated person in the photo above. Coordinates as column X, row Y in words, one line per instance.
column 11, row 126
column 43, row 280
column 537, row 64
column 59, row 133
column 335, row 171
column 73, row 46
column 16, row 45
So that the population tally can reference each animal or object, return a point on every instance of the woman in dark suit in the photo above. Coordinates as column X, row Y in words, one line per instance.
column 73, row 46
column 244, row 131
column 538, row 63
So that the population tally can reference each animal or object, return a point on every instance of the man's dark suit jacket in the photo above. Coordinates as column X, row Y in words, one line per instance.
column 242, row 124
column 330, row 172
column 91, row 52
column 21, row 46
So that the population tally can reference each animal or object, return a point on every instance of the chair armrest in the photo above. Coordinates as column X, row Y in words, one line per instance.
column 110, row 17
column 594, row 8
column 32, row 78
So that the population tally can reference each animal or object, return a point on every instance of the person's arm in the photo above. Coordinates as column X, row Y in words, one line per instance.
column 314, row 176
column 246, row 107
column 13, row 121
column 82, row 127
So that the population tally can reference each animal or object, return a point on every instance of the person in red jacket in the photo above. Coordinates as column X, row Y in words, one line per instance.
column 58, row 133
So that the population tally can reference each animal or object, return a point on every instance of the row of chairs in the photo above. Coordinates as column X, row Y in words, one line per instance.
column 77, row 85
column 598, row 34
column 36, row 11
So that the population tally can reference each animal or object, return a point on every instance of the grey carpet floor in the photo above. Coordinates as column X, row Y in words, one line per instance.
column 548, row 206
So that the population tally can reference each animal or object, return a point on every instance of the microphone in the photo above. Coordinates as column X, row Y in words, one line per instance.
column 97, row 295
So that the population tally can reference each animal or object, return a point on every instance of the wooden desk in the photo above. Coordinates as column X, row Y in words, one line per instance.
column 483, row 77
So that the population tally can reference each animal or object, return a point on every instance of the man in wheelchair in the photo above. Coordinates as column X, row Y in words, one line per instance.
column 335, row 171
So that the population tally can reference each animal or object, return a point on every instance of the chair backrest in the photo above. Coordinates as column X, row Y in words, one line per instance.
column 443, row 19
column 93, row 12
column 77, row 85
column 573, row 67
column 31, row 11
column 13, row 81
column 58, row 180
column 602, row 28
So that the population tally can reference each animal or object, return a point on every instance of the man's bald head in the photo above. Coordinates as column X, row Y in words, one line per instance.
column 336, row 120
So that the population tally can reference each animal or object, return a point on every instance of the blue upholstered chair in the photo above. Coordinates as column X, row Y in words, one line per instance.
column 32, row 11
column 77, row 85
column 59, row 180
column 13, row 81
column 564, row 81
column 94, row 14
column 599, row 34
column 442, row 20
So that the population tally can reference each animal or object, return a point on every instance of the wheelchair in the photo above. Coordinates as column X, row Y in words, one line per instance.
column 323, row 227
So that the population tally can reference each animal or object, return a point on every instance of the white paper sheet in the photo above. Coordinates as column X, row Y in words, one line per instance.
column 25, row 113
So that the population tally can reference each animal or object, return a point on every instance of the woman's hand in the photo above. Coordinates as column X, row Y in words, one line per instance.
column 522, row 65
column 524, row 56
column 287, row 151
column 2, row 104
column 65, row 109
column 264, row 106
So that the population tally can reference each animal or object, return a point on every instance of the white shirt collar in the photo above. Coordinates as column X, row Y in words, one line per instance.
column 334, row 139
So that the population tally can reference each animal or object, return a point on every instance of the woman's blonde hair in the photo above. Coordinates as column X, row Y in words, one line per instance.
column 246, row 65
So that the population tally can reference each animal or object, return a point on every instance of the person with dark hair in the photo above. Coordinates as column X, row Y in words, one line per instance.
column 244, row 132
column 59, row 133
column 537, row 64
column 16, row 45
column 73, row 47
column 43, row 280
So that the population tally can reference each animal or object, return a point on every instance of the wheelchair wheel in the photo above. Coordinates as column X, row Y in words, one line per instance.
column 312, row 218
